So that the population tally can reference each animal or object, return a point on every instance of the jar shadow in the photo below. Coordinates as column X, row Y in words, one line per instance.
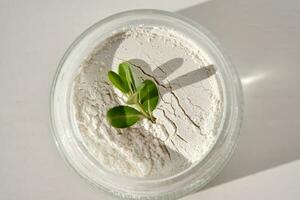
column 267, row 61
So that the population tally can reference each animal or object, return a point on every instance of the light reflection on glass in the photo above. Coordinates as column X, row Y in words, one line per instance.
column 246, row 81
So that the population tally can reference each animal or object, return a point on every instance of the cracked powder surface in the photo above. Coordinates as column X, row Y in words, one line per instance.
column 188, row 114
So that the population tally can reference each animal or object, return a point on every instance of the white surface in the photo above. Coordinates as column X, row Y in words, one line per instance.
column 279, row 183
column 262, row 38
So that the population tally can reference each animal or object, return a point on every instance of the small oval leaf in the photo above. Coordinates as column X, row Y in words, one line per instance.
column 116, row 80
column 126, row 75
column 148, row 95
column 123, row 116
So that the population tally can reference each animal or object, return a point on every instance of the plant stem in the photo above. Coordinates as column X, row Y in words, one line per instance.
column 147, row 115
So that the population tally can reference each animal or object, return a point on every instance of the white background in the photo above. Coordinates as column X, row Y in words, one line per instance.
column 261, row 36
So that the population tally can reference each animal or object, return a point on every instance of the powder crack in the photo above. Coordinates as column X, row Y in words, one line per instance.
column 172, row 92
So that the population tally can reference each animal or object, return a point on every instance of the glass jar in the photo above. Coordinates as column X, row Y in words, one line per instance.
column 76, row 155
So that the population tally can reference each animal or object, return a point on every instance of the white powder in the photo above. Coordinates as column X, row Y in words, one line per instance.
column 187, row 115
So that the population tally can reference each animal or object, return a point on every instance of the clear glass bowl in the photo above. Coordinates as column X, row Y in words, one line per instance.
column 173, row 187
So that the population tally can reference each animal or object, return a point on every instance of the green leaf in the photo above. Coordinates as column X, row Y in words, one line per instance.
column 116, row 80
column 126, row 75
column 148, row 95
column 133, row 99
column 123, row 116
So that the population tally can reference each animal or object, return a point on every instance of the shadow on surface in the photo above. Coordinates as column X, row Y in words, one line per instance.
column 263, row 40
column 166, row 69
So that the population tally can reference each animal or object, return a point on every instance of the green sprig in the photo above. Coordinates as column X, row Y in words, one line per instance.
column 142, row 99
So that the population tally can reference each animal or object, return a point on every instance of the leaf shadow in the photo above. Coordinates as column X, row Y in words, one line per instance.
column 161, row 73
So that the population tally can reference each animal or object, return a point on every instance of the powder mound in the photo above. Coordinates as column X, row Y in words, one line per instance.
column 188, row 113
